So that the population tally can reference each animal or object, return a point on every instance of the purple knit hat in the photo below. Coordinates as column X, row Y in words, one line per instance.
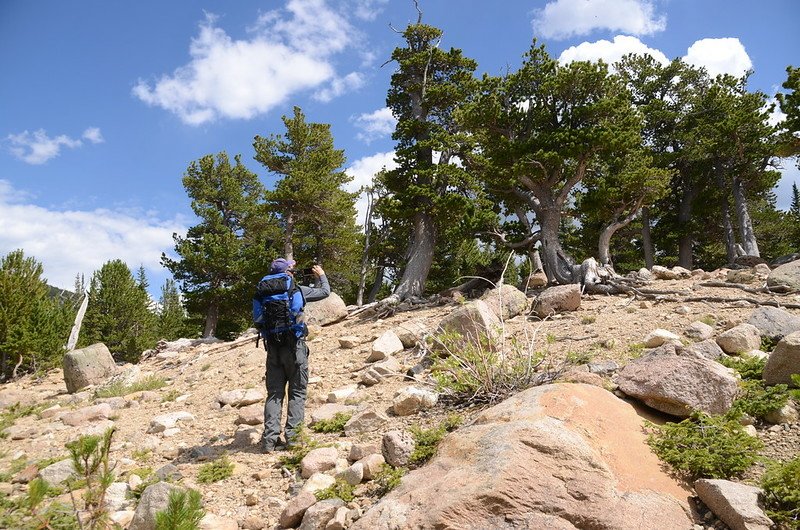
column 281, row 265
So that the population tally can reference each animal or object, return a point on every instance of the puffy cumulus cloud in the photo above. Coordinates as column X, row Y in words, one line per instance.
column 288, row 51
column 340, row 85
column 368, row 9
column 562, row 19
column 609, row 51
column 37, row 148
column 362, row 171
column 375, row 124
column 720, row 56
column 75, row 241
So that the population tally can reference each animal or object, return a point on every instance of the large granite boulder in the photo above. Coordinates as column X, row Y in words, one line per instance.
column 506, row 301
column 561, row 456
column 679, row 384
column 784, row 361
column 154, row 499
column 774, row 322
column 473, row 323
column 91, row 365
column 557, row 300
column 787, row 274
column 736, row 504
column 326, row 311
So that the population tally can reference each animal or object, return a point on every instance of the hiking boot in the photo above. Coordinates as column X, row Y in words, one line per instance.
column 267, row 447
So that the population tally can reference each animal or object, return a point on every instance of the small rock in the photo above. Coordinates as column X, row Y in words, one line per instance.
column 372, row 465
column 167, row 421
column 293, row 513
column 397, row 447
column 317, row 516
column 341, row 394
column 349, row 342
column 359, row 451
column 740, row 339
column 365, row 421
column 411, row 400
column 699, row 331
column 251, row 415
column 211, row 521
column 318, row 482
column 353, row 474
column 385, row 346
column 657, row 337
column 318, row 460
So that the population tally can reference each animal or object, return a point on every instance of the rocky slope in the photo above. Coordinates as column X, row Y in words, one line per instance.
column 195, row 419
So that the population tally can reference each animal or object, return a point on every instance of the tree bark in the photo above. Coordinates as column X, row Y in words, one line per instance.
column 362, row 277
column 647, row 239
column 685, row 238
column 727, row 227
column 745, row 223
column 288, row 247
column 557, row 265
column 420, row 257
column 376, row 284
column 212, row 317
column 604, row 242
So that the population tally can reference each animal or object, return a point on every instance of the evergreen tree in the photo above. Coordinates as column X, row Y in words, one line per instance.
column 171, row 316
column 118, row 313
column 790, row 105
column 433, row 198
column 33, row 325
column 794, row 207
column 316, row 214
column 218, row 257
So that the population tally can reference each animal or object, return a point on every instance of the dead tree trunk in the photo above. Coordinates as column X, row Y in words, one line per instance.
column 362, row 276
column 74, row 334
column 647, row 239
column 727, row 226
column 604, row 242
column 288, row 247
column 745, row 223
column 420, row 258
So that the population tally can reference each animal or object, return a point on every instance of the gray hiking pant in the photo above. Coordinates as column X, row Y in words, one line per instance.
column 287, row 364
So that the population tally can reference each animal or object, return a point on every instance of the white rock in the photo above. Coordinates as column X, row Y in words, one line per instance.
column 386, row 345
column 411, row 400
column 317, row 482
column 341, row 394
column 657, row 337
column 167, row 421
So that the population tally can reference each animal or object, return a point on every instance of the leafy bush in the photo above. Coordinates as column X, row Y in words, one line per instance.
column 338, row 490
column 768, row 344
column 704, row 446
column 335, row 424
column 299, row 448
column 184, row 511
column 119, row 389
column 388, row 478
column 781, row 484
column 219, row 469
column 486, row 371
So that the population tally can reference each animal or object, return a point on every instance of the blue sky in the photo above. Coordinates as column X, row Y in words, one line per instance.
column 103, row 105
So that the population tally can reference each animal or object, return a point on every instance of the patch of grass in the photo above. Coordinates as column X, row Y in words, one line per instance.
column 219, row 469
column 551, row 339
column 29, row 513
column 141, row 455
column 170, row 395
column 588, row 319
column 205, row 367
column 15, row 467
column 44, row 462
column 635, row 350
column 781, row 485
column 335, row 424
column 338, row 490
column 119, row 389
column 11, row 414
column 709, row 320
column 388, row 478
column 704, row 446
column 148, row 477
column 579, row 357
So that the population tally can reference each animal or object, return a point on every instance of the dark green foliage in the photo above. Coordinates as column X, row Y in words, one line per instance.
column 219, row 259
column 29, row 513
column 704, row 446
column 749, row 368
column 300, row 446
column 781, row 484
column 90, row 461
column 338, row 490
column 34, row 326
column 219, row 469
column 335, row 424
column 118, row 314
column 171, row 314
column 388, row 478
column 426, row 441
column 309, row 202
column 758, row 400
column 184, row 511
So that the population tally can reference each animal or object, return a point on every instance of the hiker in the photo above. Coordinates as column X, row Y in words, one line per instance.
column 287, row 352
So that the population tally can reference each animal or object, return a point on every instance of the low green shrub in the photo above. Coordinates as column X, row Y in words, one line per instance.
column 30, row 512
column 120, row 389
column 338, row 490
column 335, row 424
column 301, row 445
column 635, row 350
column 781, row 485
column 219, row 469
column 426, row 441
column 184, row 511
column 90, row 461
column 14, row 467
column 768, row 344
column 388, row 478
column 704, row 446
column 749, row 368
column 758, row 400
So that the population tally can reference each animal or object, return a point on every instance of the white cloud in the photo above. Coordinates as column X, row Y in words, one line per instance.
column 562, row 19
column 340, row 85
column 289, row 51
column 368, row 9
column 37, row 148
column 80, row 241
column 720, row 56
column 777, row 116
column 362, row 171
column 610, row 52
column 375, row 124
column 94, row 135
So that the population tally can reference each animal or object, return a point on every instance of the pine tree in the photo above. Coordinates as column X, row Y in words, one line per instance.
column 217, row 258
column 315, row 212
column 794, row 207
column 118, row 313
column 33, row 325
column 171, row 316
